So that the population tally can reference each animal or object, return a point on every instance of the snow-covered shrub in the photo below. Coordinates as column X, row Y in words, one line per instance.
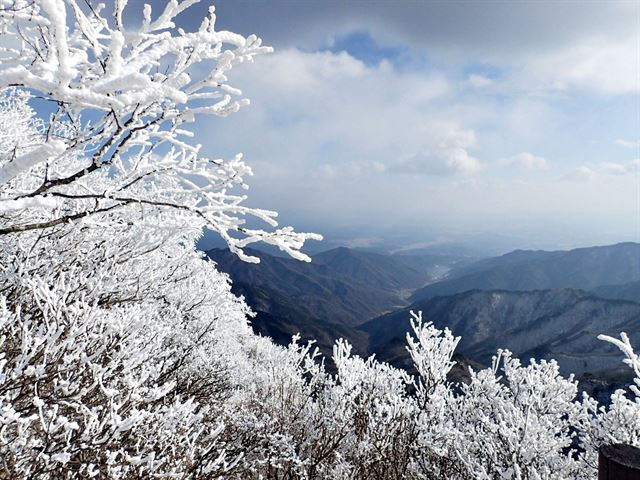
column 617, row 423
column 82, row 395
column 513, row 420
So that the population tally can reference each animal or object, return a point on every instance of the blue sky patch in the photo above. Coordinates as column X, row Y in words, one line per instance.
column 362, row 46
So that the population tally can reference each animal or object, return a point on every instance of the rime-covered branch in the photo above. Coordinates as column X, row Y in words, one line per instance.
column 125, row 99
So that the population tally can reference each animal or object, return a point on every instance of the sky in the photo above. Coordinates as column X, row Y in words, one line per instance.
column 439, row 121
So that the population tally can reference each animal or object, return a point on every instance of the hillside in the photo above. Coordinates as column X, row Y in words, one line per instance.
column 374, row 269
column 324, row 299
column 341, row 286
column 583, row 268
column 561, row 324
column 626, row 291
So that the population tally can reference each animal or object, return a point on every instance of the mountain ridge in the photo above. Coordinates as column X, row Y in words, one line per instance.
column 584, row 268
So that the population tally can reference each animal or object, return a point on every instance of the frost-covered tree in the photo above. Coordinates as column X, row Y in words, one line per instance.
column 120, row 344
column 123, row 353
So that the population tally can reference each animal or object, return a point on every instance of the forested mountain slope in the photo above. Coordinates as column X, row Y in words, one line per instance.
column 340, row 286
column 324, row 299
column 626, row 291
column 561, row 324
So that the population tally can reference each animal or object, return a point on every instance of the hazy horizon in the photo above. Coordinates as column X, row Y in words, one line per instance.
column 478, row 245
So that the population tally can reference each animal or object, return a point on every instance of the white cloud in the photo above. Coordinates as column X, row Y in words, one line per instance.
column 379, row 166
column 588, row 173
column 597, row 64
column 628, row 143
column 444, row 150
column 612, row 168
column 459, row 160
column 328, row 170
column 528, row 161
column 331, row 113
column 449, row 161
column 479, row 81
column 583, row 173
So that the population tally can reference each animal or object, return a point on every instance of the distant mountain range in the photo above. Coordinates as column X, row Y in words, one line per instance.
column 535, row 303
column 582, row 268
